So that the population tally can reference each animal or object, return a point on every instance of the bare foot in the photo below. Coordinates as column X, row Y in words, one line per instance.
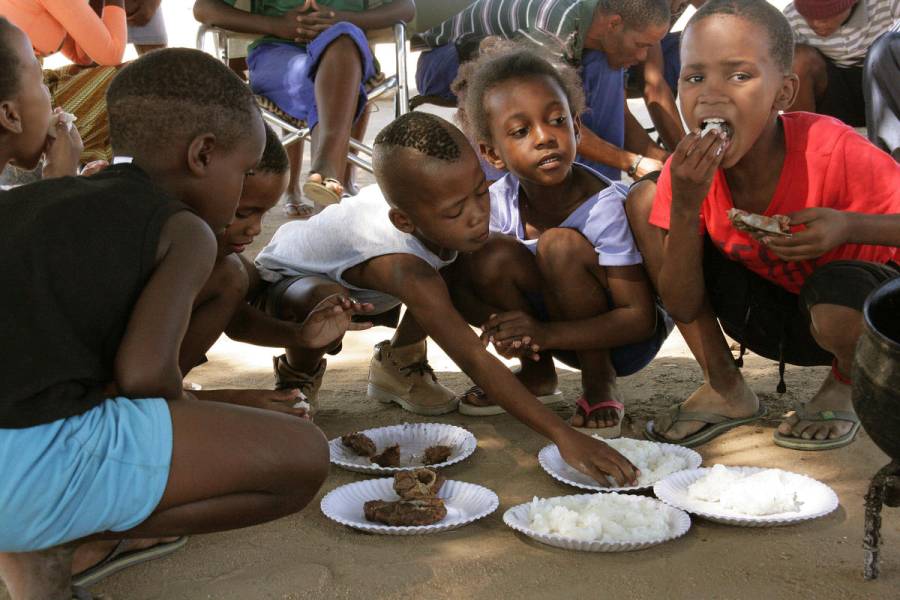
column 536, row 381
column 603, row 417
column 92, row 553
column 44, row 574
column 833, row 395
column 295, row 207
column 734, row 402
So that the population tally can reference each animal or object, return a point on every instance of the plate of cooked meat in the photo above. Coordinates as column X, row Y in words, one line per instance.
column 410, row 503
column 395, row 448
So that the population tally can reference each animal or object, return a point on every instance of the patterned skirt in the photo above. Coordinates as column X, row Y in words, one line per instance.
column 82, row 92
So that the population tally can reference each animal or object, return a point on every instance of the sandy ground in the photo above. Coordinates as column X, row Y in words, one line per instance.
column 308, row 556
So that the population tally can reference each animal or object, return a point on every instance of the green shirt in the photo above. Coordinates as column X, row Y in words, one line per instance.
column 275, row 8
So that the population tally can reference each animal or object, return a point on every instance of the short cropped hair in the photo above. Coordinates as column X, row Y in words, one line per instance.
column 500, row 61
column 425, row 133
column 9, row 62
column 274, row 158
column 760, row 13
column 637, row 14
column 173, row 95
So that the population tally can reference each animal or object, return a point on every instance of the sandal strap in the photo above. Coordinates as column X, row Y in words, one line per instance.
column 674, row 414
column 589, row 409
column 804, row 414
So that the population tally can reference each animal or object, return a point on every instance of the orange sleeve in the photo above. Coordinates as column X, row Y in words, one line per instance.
column 100, row 40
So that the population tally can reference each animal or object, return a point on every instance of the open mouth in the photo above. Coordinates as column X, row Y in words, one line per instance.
column 550, row 161
column 716, row 124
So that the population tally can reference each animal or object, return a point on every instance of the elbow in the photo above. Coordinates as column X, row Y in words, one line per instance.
column 202, row 12
column 683, row 312
column 408, row 13
column 142, row 381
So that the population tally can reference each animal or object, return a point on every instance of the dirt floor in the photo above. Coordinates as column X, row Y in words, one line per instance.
column 308, row 556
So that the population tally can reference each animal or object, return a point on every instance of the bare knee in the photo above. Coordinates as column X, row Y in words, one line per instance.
column 227, row 282
column 561, row 250
column 498, row 261
column 808, row 62
column 344, row 49
column 836, row 328
column 300, row 462
column 304, row 295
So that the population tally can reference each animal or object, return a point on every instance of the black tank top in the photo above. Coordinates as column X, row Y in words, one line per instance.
column 75, row 253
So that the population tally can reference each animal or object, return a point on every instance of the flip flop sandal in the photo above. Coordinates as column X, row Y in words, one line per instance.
column 796, row 443
column 715, row 426
column 587, row 410
column 120, row 559
column 299, row 210
column 474, row 410
column 320, row 193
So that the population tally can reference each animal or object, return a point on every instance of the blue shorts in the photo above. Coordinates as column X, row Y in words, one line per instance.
column 604, row 89
column 104, row 470
column 286, row 73
column 628, row 359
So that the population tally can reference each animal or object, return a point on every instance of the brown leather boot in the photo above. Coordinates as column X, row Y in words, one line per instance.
column 403, row 375
column 287, row 378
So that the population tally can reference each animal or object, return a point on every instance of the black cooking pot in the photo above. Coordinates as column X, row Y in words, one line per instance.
column 876, row 369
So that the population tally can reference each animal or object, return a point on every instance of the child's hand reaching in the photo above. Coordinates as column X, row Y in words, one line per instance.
column 596, row 459
column 329, row 320
column 693, row 166
column 515, row 334
column 825, row 230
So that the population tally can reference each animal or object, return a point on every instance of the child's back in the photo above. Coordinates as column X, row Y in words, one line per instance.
column 76, row 254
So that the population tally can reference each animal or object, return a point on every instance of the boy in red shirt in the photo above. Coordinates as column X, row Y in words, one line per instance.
column 795, row 299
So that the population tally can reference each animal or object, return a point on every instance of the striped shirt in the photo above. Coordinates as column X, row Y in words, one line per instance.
column 558, row 24
column 848, row 46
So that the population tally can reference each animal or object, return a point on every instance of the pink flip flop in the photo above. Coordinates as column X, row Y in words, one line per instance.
column 604, row 432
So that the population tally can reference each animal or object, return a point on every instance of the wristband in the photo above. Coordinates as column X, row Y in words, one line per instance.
column 634, row 166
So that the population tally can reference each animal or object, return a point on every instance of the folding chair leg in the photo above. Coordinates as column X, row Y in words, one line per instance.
column 401, row 100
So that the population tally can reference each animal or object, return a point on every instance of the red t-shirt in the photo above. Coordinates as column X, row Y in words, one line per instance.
column 826, row 164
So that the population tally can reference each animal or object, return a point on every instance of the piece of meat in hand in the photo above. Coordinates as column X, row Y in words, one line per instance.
column 418, row 484
column 359, row 443
column 760, row 224
column 425, row 511
column 437, row 454
column 390, row 457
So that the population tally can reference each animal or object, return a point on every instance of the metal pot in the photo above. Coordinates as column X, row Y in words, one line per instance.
column 876, row 399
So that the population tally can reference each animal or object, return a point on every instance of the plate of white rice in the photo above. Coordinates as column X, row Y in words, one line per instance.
column 598, row 522
column 413, row 439
column 747, row 496
column 655, row 461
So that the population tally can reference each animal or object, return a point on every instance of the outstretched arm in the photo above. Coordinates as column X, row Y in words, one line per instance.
column 425, row 294
column 146, row 363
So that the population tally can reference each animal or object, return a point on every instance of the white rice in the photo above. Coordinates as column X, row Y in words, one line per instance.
column 608, row 518
column 766, row 492
column 651, row 458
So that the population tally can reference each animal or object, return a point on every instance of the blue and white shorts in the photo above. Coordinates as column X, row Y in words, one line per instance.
column 104, row 470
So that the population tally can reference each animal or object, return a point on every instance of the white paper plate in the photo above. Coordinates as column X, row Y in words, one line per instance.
column 558, row 469
column 413, row 439
column 818, row 500
column 465, row 502
column 517, row 518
